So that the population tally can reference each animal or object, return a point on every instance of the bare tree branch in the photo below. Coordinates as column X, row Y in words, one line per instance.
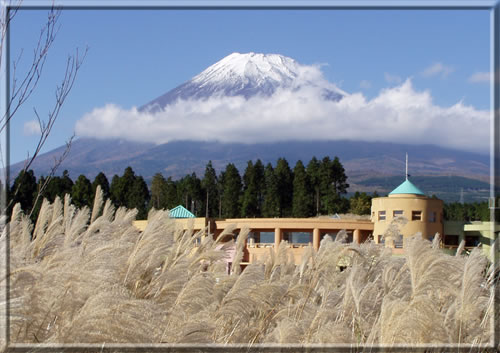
column 57, row 162
column 22, row 88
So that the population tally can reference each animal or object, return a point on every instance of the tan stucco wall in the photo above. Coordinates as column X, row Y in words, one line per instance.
column 195, row 224
column 408, row 203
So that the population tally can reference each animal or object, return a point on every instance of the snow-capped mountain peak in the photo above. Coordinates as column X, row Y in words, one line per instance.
column 257, row 68
column 247, row 75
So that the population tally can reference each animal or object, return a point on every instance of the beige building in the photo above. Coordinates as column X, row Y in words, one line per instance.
column 406, row 211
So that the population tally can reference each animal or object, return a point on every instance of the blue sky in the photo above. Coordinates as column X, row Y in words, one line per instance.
column 136, row 55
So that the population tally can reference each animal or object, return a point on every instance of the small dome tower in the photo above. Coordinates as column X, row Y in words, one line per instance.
column 406, row 203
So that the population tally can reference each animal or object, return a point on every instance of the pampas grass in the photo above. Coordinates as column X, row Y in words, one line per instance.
column 90, row 276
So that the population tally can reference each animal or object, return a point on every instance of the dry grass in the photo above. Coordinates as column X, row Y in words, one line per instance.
column 92, row 277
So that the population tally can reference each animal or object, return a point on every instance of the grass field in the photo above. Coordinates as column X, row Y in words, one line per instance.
column 89, row 276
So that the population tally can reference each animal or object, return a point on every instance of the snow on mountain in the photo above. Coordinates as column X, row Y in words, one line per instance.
column 248, row 75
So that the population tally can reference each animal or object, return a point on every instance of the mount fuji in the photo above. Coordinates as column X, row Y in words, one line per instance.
column 253, row 75
column 247, row 75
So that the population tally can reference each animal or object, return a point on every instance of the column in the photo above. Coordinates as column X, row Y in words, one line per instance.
column 356, row 236
column 316, row 239
column 277, row 238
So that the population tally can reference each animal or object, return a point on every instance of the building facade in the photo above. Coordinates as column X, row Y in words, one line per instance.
column 407, row 211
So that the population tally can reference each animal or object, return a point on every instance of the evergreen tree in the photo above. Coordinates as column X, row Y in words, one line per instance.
column 23, row 191
column 81, row 193
column 115, row 191
column 333, row 183
column 66, row 184
column 101, row 180
column 220, row 192
column 250, row 198
column 270, row 207
column 231, row 192
column 171, row 199
column 284, row 180
column 138, row 197
column 260, row 183
column 325, row 182
column 209, row 184
column 313, row 173
column 189, row 191
column 130, row 191
column 339, row 178
column 158, row 191
column 302, row 195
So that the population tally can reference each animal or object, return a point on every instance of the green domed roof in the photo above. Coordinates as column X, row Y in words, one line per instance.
column 407, row 187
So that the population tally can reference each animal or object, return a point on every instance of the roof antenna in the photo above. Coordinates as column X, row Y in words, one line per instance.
column 407, row 175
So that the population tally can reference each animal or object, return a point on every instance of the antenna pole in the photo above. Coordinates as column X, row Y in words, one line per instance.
column 406, row 165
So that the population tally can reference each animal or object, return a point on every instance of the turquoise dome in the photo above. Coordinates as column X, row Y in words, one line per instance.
column 407, row 187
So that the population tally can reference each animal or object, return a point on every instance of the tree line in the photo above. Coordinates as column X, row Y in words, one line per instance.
column 318, row 188
column 261, row 191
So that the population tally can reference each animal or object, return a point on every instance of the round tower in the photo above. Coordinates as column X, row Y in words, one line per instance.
column 408, row 211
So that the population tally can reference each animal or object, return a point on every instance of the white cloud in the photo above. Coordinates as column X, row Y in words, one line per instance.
column 438, row 69
column 365, row 84
column 392, row 78
column 479, row 77
column 31, row 128
column 399, row 114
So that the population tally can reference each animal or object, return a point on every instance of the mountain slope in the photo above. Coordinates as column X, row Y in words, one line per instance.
column 362, row 160
column 245, row 75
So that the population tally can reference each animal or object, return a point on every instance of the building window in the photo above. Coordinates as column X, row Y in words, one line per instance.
column 451, row 240
column 298, row 237
column 261, row 237
column 381, row 215
column 432, row 217
column 416, row 215
column 471, row 241
column 397, row 213
column 398, row 243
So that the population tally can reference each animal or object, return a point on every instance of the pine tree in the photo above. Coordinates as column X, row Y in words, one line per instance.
column 333, row 183
column 171, row 199
column 231, row 192
column 190, row 193
column 260, row 184
column 250, row 198
column 101, row 180
column 313, row 173
column 284, row 180
column 158, row 191
column 23, row 190
column 66, row 184
column 130, row 191
column 138, row 197
column 270, row 207
column 115, row 191
column 339, row 181
column 302, row 195
column 81, row 193
column 209, row 184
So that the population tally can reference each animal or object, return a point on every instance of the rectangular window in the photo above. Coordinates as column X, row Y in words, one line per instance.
column 261, row 237
column 416, row 215
column 471, row 240
column 381, row 215
column 451, row 240
column 432, row 217
column 298, row 237
column 397, row 213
